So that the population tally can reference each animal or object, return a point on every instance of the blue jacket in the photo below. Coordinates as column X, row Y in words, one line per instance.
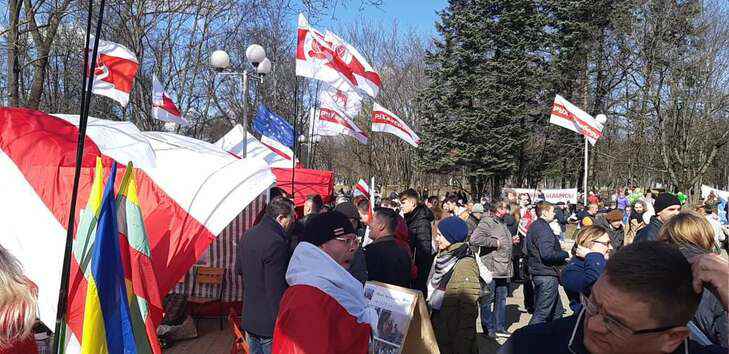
column 543, row 249
column 579, row 276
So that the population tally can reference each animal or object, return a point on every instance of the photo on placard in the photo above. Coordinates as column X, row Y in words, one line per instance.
column 382, row 347
column 391, row 326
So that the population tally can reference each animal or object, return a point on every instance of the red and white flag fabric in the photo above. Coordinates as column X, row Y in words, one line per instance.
column 116, row 67
column 163, row 108
column 188, row 191
column 326, row 57
column 348, row 102
column 275, row 154
column 331, row 122
column 387, row 122
column 361, row 188
column 569, row 116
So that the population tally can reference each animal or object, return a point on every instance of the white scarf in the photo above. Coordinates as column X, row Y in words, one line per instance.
column 313, row 267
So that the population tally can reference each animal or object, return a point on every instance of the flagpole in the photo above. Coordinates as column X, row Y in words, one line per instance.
column 584, row 178
column 60, row 328
column 310, row 139
column 296, row 137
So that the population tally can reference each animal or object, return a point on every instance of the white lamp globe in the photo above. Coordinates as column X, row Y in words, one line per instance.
column 601, row 118
column 264, row 67
column 220, row 60
column 255, row 53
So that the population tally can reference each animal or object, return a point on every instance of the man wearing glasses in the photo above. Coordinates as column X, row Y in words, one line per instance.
column 641, row 304
column 324, row 309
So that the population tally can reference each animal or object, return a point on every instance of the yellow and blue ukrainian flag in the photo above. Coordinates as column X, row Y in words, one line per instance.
column 107, row 321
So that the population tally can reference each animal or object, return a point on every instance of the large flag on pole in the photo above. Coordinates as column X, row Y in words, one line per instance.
column 116, row 67
column 163, row 108
column 569, row 116
column 387, row 122
column 326, row 57
column 233, row 142
column 331, row 122
column 348, row 102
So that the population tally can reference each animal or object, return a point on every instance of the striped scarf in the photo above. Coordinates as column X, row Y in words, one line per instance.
column 441, row 272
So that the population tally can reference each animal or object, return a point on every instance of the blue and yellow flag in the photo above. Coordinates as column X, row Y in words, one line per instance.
column 107, row 321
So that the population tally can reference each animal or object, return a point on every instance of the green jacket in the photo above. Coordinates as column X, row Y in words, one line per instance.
column 455, row 323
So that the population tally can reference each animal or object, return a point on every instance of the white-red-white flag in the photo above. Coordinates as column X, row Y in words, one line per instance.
column 326, row 57
column 163, row 108
column 116, row 67
column 387, row 122
column 569, row 116
column 331, row 122
column 361, row 188
column 348, row 102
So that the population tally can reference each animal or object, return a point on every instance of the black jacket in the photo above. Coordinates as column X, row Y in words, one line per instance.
column 556, row 337
column 543, row 249
column 419, row 225
column 510, row 223
column 262, row 258
column 387, row 262
column 650, row 231
column 561, row 217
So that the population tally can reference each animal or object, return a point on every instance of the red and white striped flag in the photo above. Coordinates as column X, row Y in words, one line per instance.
column 331, row 122
column 188, row 191
column 116, row 67
column 273, row 152
column 163, row 108
column 569, row 116
column 387, row 122
column 361, row 188
column 326, row 57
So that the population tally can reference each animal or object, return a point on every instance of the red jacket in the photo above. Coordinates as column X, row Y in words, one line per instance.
column 25, row 346
column 312, row 322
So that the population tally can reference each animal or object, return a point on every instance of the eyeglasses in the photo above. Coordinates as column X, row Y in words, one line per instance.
column 349, row 241
column 606, row 244
column 613, row 325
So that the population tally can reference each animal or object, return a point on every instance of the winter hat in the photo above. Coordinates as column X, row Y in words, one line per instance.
column 453, row 229
column 664, row 201
column 348, row 209
column 322, row 228
column 614, row 215
column 477, row 208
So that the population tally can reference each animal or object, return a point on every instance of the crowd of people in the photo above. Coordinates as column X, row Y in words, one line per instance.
column 648, row 275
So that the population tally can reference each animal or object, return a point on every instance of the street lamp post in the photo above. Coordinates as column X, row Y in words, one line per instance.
column 256, row 55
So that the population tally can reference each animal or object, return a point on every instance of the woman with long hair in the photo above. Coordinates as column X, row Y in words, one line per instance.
column 18, row 307
column 693, row 236
column 591, row 250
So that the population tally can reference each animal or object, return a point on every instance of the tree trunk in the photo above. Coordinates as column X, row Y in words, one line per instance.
column 13, row 66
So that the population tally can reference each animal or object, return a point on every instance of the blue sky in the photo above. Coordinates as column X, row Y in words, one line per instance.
column 417, row 14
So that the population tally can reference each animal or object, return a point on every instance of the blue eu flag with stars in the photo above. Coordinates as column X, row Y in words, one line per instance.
column 269, row 124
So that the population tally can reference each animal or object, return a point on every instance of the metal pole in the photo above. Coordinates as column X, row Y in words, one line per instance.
column 244, row 89
column 584, row 178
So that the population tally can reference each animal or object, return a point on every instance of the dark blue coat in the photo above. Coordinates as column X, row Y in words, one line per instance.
column 543, row 249
column 561, row 337
column 650, row 231
column 579, row 276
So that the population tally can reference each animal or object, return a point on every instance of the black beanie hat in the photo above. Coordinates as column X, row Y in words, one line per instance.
column 664, row 201
column 325, row 227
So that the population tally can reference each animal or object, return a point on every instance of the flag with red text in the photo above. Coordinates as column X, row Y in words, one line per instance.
column 569, row 116
column 387, row 122
column 348, row 102
column 331, row 122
